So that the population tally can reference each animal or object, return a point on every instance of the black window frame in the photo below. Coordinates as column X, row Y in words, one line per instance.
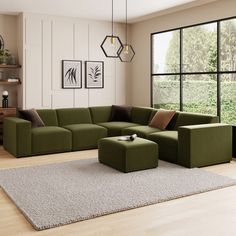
column 181, row 73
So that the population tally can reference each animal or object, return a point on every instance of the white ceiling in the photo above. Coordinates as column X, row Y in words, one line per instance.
column 98, row 9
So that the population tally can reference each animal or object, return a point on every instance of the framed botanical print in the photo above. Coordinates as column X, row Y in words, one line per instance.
column 94, row 74
column 71, row 74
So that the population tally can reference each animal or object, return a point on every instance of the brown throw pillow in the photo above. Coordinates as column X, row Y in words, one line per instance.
column 33, row 116
column 120, row 113
column 161, row 119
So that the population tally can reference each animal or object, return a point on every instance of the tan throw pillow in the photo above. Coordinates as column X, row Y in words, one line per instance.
column 161, row 119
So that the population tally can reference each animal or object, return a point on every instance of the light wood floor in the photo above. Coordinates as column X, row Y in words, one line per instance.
column 207, row 214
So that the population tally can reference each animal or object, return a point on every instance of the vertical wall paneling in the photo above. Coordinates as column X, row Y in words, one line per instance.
column 33, row 61
column 46, row 63
column 105, row 96
column 62, row 48
column 48, row 41
column 81, row 96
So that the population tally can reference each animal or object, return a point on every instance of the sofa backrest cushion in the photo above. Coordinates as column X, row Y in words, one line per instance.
column 100, row 114
column 186, row 118
column 70, row 116
column 49, row 117
column 141, row 115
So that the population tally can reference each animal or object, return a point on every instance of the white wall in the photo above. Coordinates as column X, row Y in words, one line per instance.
column 46, row 41
column 139, row 87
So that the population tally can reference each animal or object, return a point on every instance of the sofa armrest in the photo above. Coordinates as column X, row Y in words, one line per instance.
column 206, row 144
column 17, row 136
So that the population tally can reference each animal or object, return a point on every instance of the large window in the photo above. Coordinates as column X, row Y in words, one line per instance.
column 194, row 69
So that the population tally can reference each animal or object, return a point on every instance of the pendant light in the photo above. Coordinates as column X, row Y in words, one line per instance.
column 111, row 45
column 126, row 53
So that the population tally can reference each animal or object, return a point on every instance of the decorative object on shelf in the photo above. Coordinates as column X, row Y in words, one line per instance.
column 126, row 52
column 111, row 44
column 1, row 43
column 5, row 99
column 4, row 56
column 94, row 74
column 13, row 60
column 71, row 74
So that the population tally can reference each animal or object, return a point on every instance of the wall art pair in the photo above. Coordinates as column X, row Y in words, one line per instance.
column 72, row 74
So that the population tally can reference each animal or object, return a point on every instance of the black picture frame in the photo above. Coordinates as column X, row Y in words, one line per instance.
column 1, row 43
column 94, row 74
column 71, row 74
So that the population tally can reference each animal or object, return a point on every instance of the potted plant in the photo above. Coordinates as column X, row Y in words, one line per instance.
column 4, row 56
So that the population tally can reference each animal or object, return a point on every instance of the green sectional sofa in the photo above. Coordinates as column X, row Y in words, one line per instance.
column 190, row 140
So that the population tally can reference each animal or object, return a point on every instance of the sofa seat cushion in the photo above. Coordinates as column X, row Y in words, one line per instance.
column 50, row 139
column 142, row 130
column 86, row 136
column 114, row 128
column 168, row 145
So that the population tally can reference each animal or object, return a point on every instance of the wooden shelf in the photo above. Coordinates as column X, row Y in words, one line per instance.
column 9, row 83
column 9, row 66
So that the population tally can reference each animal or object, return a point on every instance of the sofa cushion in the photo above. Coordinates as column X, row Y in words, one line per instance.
column 50, row 139
column 86, row 136
column 49, row 116
column 161, row 119
column 141, row 154
column 168, row 144
column 120, row 113
column 142, row 130
column 100, row 114
column 114, row 128
column 187, row 118
column 32, row 116
column 70, row 116
column 141, row 115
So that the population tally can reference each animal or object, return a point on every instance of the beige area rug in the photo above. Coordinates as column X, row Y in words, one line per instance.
column 58, row 194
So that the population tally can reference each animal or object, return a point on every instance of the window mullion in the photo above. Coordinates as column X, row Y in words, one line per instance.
column 181, row 69
column 218, row 74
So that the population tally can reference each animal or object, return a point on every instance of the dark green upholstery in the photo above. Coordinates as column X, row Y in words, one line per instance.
column 185, row 118
column 49, row 117
column 139, row 154
column 17, row 136
column 70, row 116
column 141, row 115
column 100, row 114
column 142, row 130
column 114, row 128
column 184, row 142
column 50, row 139
column 168, row 144
column 86, row 136
column 202, row 145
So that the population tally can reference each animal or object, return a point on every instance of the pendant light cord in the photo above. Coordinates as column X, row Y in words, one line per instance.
column 112, row 22
column 126, row 28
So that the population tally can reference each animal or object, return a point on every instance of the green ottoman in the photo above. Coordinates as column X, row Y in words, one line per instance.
column 127, row 156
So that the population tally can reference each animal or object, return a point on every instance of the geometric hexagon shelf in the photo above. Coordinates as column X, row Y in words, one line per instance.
column 111, row 45
column 126, row 53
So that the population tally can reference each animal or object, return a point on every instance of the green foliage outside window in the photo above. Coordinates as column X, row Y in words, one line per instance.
column 199, row 54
